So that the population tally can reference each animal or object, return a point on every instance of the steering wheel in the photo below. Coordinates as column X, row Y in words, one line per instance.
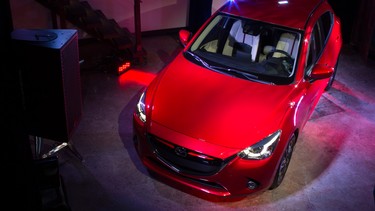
column 285, row 61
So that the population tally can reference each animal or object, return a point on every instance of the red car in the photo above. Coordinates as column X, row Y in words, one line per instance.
column 224, row 116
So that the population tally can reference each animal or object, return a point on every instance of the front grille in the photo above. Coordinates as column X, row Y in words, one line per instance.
column 204, row 183
column 184, row 160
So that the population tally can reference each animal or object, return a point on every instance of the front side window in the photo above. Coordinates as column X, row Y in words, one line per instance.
column 248, row 49
column 318, row 39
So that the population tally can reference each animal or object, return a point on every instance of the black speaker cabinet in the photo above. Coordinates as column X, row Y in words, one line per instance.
column 49, row 73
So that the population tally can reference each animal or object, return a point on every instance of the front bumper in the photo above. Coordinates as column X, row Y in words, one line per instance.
column 227, row 174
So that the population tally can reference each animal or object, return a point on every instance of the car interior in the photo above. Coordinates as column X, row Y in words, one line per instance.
column 249, row 46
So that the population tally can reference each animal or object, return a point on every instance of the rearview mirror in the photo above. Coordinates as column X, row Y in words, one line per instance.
column 321, row 71
column 184, row 36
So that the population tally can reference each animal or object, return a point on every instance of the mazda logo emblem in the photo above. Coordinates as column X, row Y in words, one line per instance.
column 180, row 151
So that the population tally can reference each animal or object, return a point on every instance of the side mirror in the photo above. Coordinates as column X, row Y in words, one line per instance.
column 321, row 71
column 184, row 36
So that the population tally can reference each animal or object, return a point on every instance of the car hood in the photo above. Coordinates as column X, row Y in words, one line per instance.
column 217, row 108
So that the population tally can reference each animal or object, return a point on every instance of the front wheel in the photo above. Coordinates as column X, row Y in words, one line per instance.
column 284, row 163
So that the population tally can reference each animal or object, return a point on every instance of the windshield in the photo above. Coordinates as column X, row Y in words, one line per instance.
column 232, row 45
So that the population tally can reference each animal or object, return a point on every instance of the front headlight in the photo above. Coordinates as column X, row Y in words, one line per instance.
column 141, row 107
column 262, row 149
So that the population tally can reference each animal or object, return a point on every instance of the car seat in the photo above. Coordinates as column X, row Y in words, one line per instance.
column 288, row 42
column 241, row 42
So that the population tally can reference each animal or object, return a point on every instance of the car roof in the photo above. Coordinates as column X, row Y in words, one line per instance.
column 293, row 13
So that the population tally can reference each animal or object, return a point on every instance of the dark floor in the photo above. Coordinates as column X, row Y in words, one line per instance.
column 333, row 167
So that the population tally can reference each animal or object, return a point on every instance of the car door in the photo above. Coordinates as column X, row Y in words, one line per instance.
column 313, row 89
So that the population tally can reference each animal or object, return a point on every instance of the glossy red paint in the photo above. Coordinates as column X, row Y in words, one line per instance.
column 195, row 121
column 294, row 14
column 184, row 37
column 214, row 92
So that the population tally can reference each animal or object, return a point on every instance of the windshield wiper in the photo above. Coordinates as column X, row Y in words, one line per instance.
column 246, row 75
column 199, row 59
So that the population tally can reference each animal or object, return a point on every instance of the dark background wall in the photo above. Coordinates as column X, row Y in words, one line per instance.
column 358, row 24
column 346, row 11
column 18, row 183
column 199, row 12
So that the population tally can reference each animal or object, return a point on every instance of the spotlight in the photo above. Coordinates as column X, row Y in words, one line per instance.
column 282, row 2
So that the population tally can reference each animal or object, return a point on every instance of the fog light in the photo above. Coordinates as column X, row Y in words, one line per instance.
column 252, row 185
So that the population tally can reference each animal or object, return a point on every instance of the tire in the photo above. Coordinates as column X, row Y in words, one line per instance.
column 284, row 163
column 332, row 78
